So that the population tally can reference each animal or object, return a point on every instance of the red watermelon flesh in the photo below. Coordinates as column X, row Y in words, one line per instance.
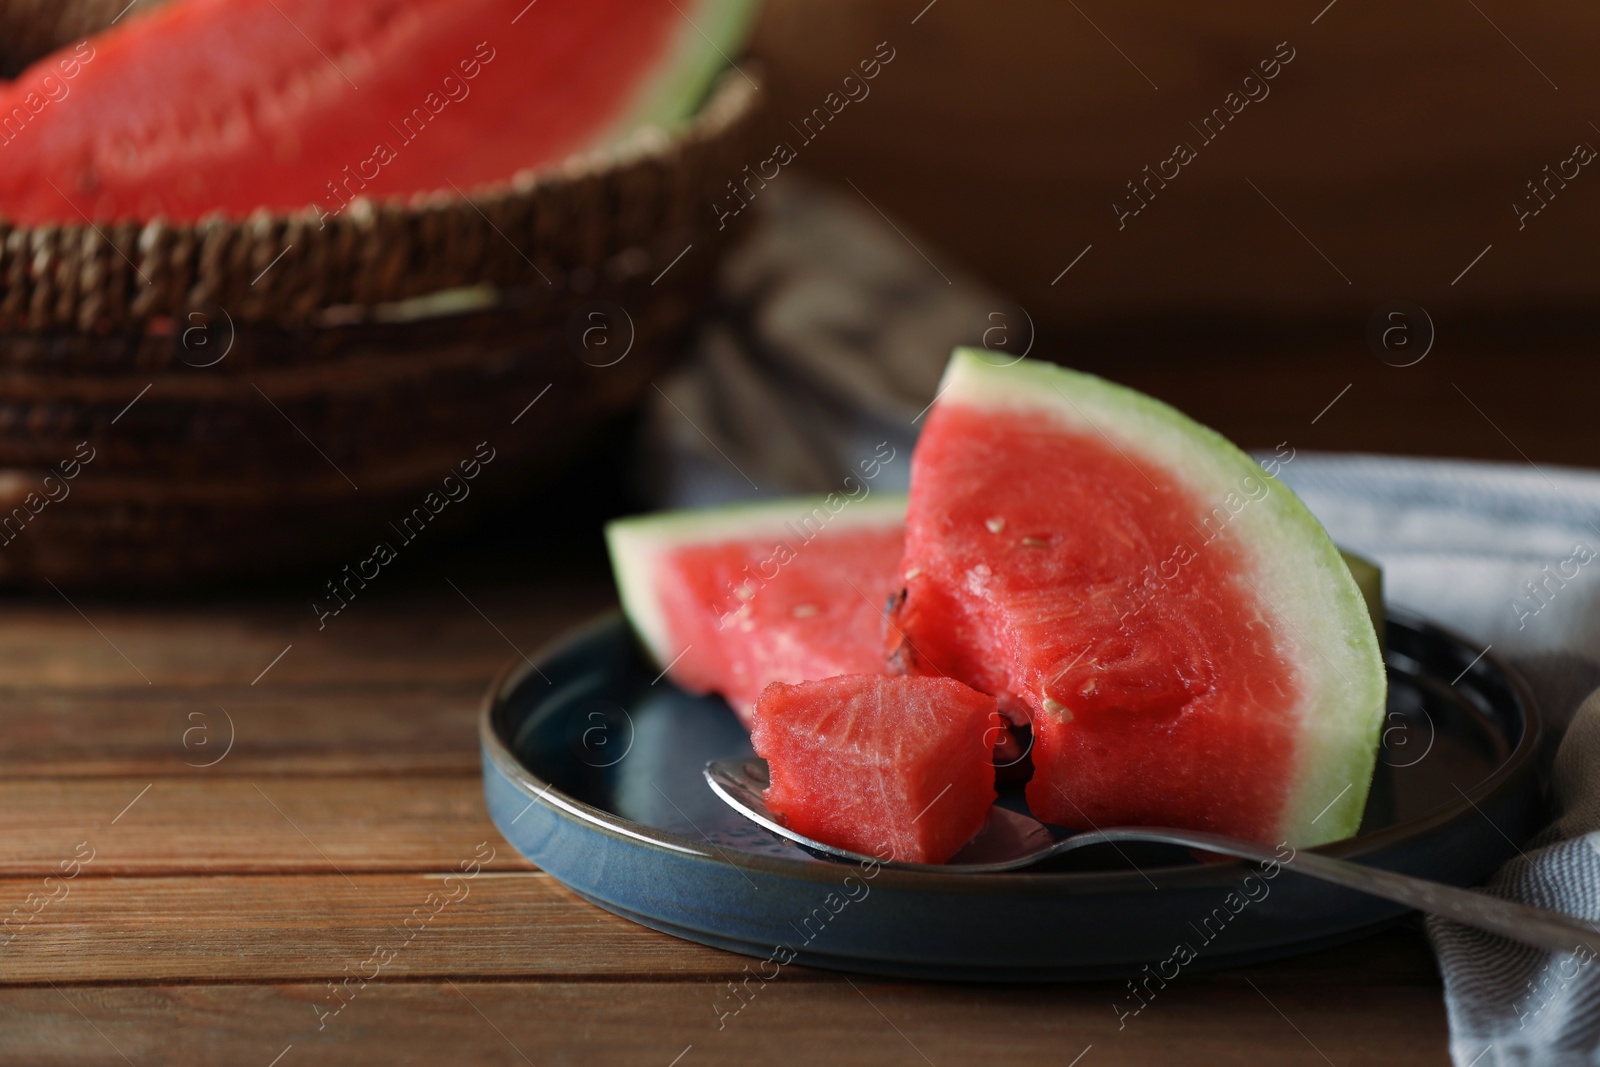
column 732, row 599
column 1186, row 641
column 893, row 767
column 235, row 105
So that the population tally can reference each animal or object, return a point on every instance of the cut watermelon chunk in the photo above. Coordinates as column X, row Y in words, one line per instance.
column 897, row 768
column 1187, row 642
column 234, row 105
column 731, row 599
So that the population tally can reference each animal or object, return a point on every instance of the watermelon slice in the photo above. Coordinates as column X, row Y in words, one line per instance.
column 1187, row 642
column 234, row 105
column 731, row 599
column 897, row 768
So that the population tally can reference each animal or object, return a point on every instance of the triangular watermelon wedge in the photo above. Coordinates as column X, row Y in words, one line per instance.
column 731, row 599
column 234, row 105
column 1188, row 643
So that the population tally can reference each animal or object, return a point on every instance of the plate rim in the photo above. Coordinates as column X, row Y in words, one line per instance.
column 1519, row 763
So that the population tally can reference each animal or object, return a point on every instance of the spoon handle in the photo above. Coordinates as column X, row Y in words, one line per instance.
column 1518, row 922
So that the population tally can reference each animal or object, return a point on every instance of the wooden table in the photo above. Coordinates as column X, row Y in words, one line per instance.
column 221, row 901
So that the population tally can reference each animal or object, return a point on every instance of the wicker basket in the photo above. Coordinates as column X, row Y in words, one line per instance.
column 262, row 392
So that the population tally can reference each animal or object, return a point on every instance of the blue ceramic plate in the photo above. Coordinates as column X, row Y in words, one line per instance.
column 592, row 762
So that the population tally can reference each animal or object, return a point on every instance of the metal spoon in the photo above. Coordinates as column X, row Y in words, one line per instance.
column 1010, row 841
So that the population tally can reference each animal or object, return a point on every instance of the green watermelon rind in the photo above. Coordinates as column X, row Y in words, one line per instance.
column 1294, row 567
column 637, row 544
column 1369, row 576
column 708, row 37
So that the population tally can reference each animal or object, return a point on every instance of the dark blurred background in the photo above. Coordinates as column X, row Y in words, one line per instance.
column 1343, row 267
column 1392, row 149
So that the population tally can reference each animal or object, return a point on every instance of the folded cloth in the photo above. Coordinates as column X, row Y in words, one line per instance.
column 832, row 337
column 1507, row 554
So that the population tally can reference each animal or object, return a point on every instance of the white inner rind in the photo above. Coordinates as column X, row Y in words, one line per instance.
column 638, row 545
column 1305, row 593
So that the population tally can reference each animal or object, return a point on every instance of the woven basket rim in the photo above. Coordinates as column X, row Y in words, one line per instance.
column 94, row 276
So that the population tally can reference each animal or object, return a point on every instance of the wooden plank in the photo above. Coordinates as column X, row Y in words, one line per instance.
column 230, row 825
column 243, row 927
column 420, row 631
column 149, row 731
column 500, row 923
column 832, row 1022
